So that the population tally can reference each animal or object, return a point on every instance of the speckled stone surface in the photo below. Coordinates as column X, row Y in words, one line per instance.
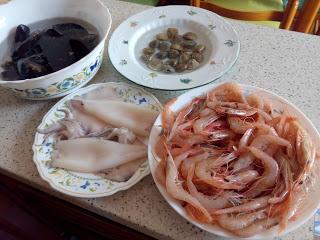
column 287, row 63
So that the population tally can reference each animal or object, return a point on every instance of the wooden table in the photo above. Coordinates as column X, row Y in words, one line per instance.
column 286, row 63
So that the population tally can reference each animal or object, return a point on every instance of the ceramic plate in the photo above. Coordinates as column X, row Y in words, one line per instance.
column 80, row 184
column 128, row 40
column 279, row 104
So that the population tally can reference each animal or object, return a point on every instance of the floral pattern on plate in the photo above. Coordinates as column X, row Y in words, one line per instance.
column 65, row 85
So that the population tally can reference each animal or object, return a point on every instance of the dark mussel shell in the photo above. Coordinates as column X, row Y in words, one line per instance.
column 34, row 66
column 47, row 51
column 70, row 29
column 22, row 33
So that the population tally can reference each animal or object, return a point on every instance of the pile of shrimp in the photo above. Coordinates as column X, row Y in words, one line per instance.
column 233, row 161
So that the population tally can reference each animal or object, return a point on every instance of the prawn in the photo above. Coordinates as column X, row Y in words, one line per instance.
column 204, row 173
column 237, row 222
column 238, row 125
column 227, row 92
column 255, row 101
column 175, row 189
column 249, row 206
column 269, row 176
column 211, row 203
column 258, row 227
column 243, row 177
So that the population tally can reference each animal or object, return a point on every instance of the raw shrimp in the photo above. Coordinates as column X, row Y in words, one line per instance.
column 238, row 125
column 244, row 141
column 236, row 222
column 211, row 203
column 236, row 162
column 255, row 101
column 243, row 177
column 175, row 189
column 232, row 111
column 269, row 176
column 287, row 178
column 200, row 124
column 228, row 92
column 258, row 227
column 204, row 173
column 249, row 206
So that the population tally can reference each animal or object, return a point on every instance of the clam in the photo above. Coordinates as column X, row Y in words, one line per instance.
column 190, row 36
column 161, row 55
column 154, row 43
column 172, row 62
column 145, row 58
column 177, row 39
column 181, row 67
column 155, row 64
column 162, row 36
column 172, row 53
column 164, row 46
column 148, row 51
column 172, row 33
column 200, row 48
column 189, row 44
column 184, row 58
column 176, row 46
column 197, row 56
column 192, row 64
column 168, row 69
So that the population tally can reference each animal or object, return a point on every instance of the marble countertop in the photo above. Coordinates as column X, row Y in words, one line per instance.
column 287, row 63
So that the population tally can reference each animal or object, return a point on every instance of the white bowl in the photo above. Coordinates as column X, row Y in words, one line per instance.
column 41, row 14
column 311, row 204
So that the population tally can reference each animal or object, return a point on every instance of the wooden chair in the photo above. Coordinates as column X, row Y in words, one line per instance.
column 286, row 17
column 307, row 16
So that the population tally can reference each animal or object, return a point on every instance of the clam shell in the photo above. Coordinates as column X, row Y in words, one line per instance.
column 189, row 44
column 197, row 56
column 184, row 58
column 172, row 62
column 155, row 64
column 148, row 51
column 177, row 46
column 162, row 36
column 164, row 46
column 168, row 69
column 154, row 43
column 190, row 36
column 145, row 58
column 161, row 55
column 173, row 53
column 200, row 48
column 181, row 67
column 172, row 33
column 193, row 64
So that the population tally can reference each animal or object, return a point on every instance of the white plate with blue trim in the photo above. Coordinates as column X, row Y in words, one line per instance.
column 87, row 185
column 134, row 34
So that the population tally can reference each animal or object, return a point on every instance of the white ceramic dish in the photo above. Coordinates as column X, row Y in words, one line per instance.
column 310, row 206
column 134, row 34
column 42, row 14
column 80, row 184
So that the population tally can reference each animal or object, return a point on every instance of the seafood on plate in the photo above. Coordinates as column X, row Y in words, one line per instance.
column 234, row 162
column 100, row 133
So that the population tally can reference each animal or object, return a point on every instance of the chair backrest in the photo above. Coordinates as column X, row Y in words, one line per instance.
column 286, row 17
column 307, row 16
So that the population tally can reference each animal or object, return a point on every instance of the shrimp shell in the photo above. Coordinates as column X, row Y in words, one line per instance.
column 269, row 176
column 175, row 189
column 257, row 227
column 252, row 205
column 232, row 222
